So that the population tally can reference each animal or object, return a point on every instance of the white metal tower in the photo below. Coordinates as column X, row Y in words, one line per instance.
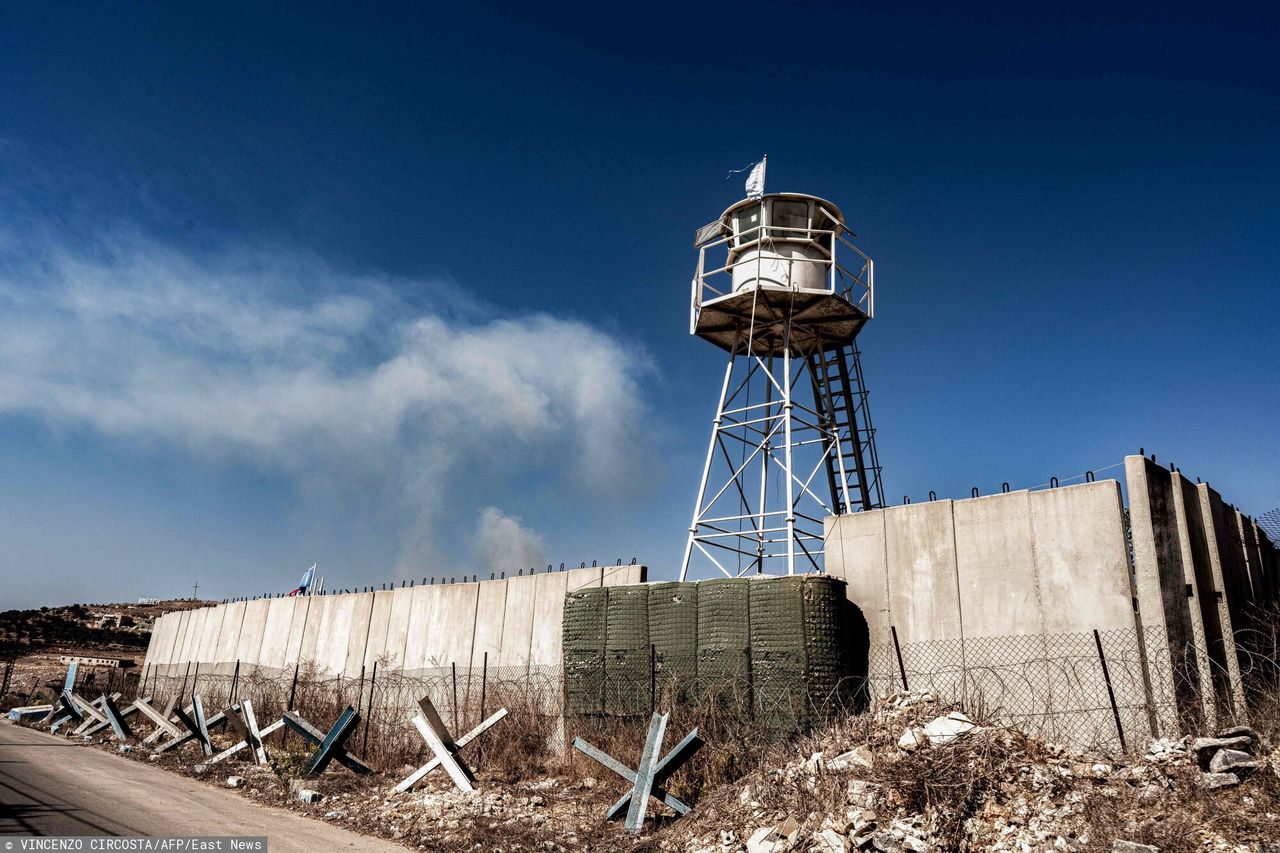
column 780, row 287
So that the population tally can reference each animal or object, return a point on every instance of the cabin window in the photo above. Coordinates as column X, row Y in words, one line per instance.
column 790, row 218
column 746, row 224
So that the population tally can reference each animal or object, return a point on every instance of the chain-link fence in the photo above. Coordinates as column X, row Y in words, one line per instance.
column 1110, row 690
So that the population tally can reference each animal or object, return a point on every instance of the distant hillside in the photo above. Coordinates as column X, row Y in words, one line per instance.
column 96, row 626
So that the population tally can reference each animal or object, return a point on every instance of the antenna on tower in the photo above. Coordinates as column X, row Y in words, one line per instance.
column 780, row 287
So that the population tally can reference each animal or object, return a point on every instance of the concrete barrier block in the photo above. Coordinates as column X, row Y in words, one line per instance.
column 491, row 608
column 422, row 630
column 924, row 598
column 252, row 627
column 358, row 639
column 379, row 621
column 275, row 633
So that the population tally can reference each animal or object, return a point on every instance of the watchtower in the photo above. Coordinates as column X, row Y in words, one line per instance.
column 782, row 289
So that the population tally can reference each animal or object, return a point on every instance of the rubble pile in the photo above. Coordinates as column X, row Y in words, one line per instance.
column 929, row 778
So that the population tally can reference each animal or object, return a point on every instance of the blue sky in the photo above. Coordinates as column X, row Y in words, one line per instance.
column 404, row 290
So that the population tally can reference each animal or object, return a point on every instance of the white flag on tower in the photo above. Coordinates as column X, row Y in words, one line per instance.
column 755, row 180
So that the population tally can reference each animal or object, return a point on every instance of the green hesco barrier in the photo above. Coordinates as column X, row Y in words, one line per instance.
column 626, row 660
column 724, row 635
column 673, row 631
column 584, row 648
column 778, row 651
column 783, row 643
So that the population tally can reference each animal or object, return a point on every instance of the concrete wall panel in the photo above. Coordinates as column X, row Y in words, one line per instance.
column 624, row 575
column 546, row 642
column 398, row 627
column 857, row 541
column 275, row 634
column 180, row 644
column 379, row 620
column 491, row 608
column 1218, row 542
column 452, row 620
column 517, row 622
column 208, row 647
column 924, row 599
column 1203, row 600
column 315, row 631
column 1082, row 557
column 229, row 634
column 358, row 640
column 297, row 630
column 161, row 646
column 1160, row 582
column 332, row 634
column 422, row 631
column 999, row 592
column 249, row 645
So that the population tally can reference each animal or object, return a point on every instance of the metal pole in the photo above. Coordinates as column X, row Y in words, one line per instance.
column 293, row 688
column 454, row 668
column 902, row 670
column 706, row 468
column 235, row 683
column 1111, row 694
column 373, row 679
column 484, row 684
column 183, row 690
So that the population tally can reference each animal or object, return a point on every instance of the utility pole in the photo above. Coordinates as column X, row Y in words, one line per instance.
column 195, row 589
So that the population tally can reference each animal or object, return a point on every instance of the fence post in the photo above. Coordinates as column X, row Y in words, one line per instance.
column 453, row 667
column 484, row 684
column 1111, row 694
column 183, row 690
column 368, row 717
column 235, row 682
column 897, row 650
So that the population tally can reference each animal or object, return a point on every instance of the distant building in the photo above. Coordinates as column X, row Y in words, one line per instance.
column 147, row 600
column 83, row 660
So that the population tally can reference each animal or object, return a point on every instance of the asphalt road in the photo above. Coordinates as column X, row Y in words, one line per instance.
column 50, row 786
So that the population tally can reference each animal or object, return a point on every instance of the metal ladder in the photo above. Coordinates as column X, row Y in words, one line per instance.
column 840, row 396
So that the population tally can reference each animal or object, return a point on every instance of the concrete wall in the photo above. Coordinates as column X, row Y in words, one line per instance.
column 999, row 595
column 1018, row 582
column 516, row 621
column 991, row 566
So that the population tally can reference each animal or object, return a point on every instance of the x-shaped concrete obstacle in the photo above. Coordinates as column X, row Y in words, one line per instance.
column 646, row 780
column 329, row 746
column 433, row 731
column 245, row 724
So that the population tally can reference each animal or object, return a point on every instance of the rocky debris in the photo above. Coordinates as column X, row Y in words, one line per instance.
column 774, row 839
column 1215, row 781
column 309, row 796
column 1205, row 747
column 1132, row 847
column 235, row 781
column 858, row 758
column 1241, row 731
column 912, row 739
column 829, row 841
column 942, row 730
column 1232, row 761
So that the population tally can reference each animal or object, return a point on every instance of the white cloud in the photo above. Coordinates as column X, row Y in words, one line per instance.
column 280, row 358
column 502, row 544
